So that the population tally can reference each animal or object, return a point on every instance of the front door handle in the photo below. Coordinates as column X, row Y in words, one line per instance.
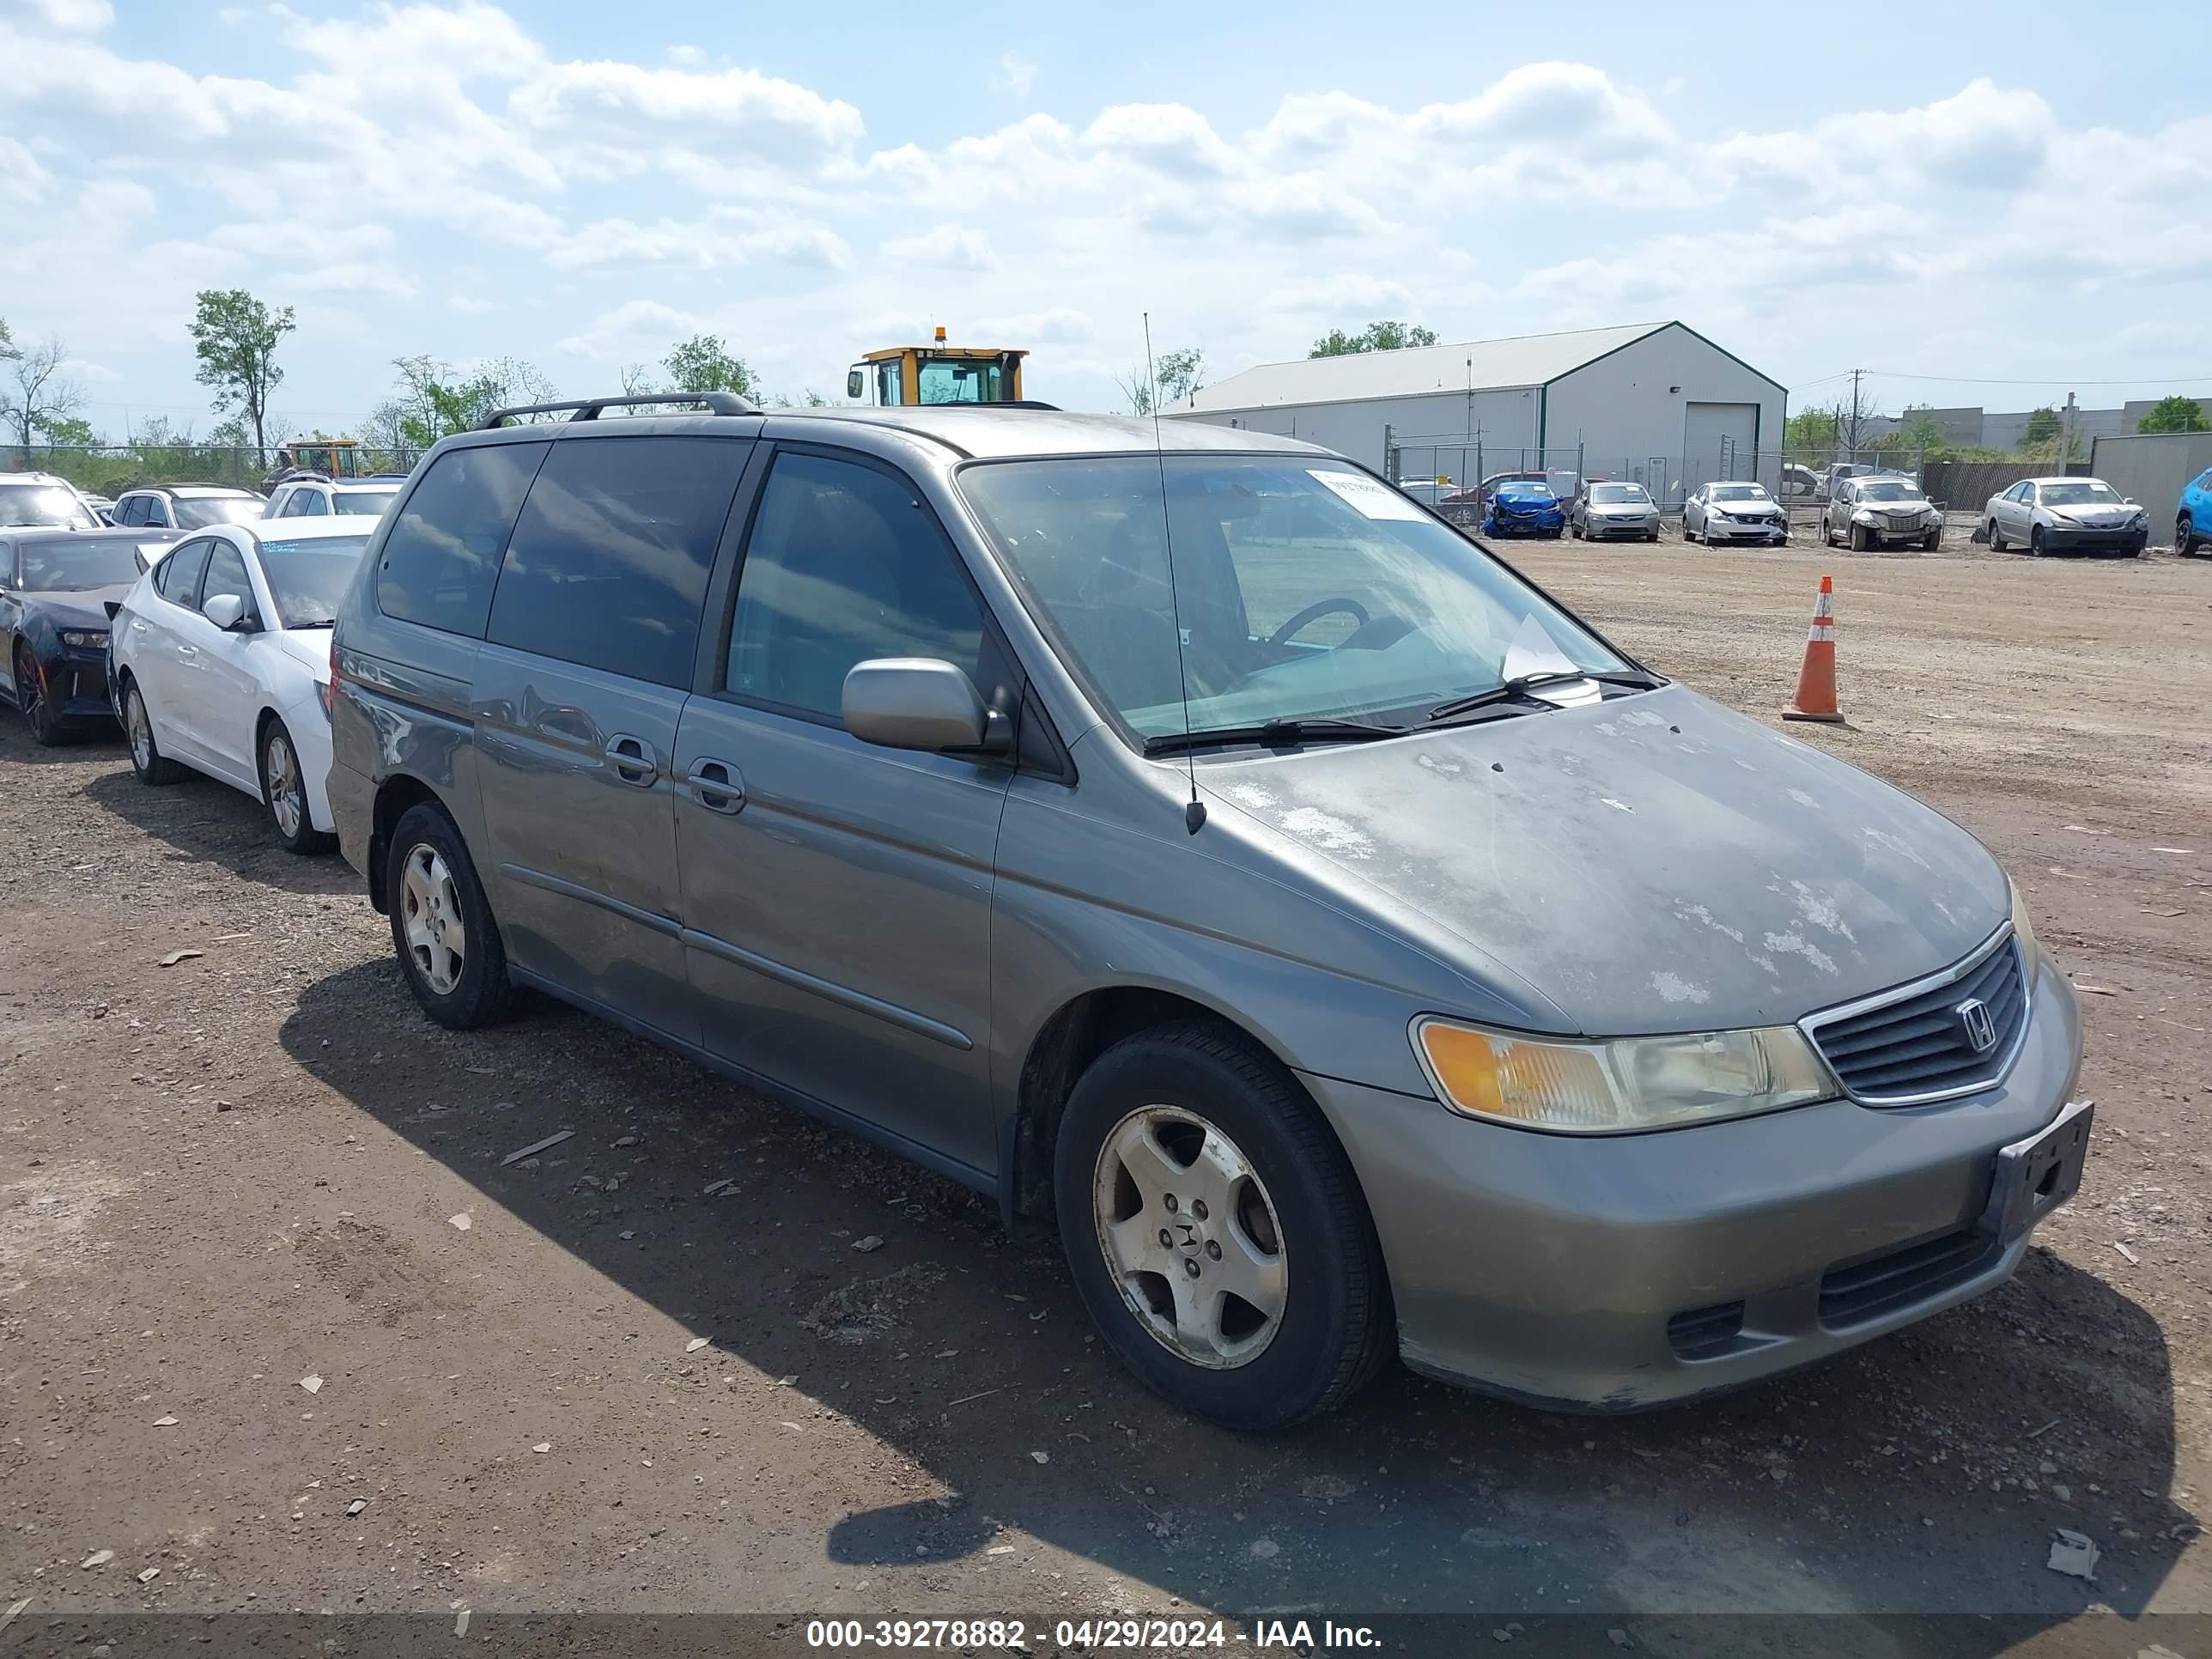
column 718, row 787
column 633, row 760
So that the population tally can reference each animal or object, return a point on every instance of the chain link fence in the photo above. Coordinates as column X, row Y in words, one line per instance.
column 109, row 469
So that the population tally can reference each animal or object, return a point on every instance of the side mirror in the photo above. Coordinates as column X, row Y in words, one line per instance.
column 922, row 703
column 855, row 383
column 2130, row 501
column 227, row 612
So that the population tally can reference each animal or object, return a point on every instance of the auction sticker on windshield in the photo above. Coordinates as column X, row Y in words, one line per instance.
column 1368, row 497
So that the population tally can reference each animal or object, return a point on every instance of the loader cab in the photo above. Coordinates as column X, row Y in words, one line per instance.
column 898, row 376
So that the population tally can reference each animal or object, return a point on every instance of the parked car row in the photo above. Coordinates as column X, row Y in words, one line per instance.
column 1083, row 809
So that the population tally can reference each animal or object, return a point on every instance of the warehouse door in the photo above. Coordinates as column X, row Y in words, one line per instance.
column 1718, row 442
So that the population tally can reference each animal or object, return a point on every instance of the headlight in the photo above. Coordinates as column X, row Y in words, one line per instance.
column 2023, row 929
column 1627, row 1084
column 85, row 639
column 1864, row 515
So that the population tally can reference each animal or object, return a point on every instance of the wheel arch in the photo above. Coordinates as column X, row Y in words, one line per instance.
column 397, row 796
column 1064, row 1048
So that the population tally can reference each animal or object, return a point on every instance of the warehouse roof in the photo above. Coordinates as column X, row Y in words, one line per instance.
column 1524, row 360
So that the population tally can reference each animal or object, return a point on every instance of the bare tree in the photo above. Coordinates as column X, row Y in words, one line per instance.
column 1138, row 387
column 41, row 401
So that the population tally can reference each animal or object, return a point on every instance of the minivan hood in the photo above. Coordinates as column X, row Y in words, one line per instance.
column 1650, row 863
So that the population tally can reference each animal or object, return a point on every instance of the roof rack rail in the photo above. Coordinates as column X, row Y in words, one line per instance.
column 587, row 409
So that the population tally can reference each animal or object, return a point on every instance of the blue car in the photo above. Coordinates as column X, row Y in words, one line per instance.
column 1523, row 506
column 2192, row 525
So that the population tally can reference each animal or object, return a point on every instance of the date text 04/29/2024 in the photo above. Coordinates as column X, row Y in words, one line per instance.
column 1124, row 1634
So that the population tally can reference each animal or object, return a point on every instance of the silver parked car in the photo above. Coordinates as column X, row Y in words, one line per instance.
column 1881, row 509
column 1605, row 511
column 2065, row 516
column 1181, row 835
column 1733, row 512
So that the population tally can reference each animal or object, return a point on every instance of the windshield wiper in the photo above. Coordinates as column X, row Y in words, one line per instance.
column 1517, row 689
column 319, row 622
column 1272, row 734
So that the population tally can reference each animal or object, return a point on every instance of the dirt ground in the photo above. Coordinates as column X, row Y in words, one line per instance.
column 278, row 1318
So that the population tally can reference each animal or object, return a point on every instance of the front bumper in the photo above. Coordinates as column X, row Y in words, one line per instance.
column 1737, row 529
column 1614, row 1273
column 77, row 684
column 2059, row 539
column 1634, row 530
column 1888, row 535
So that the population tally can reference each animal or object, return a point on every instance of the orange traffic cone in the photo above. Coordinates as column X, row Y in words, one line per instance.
column 1816, row 680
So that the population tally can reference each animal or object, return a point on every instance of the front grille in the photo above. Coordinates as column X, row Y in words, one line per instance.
column 1705, row 1332
column 1853, row 1293
column 1919, row 1045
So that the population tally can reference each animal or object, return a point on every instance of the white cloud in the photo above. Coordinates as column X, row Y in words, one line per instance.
column 74, row 17
column 470, row 305
column 22, row 179
column 1015, row 75
column 954, row 247
column 633, row 325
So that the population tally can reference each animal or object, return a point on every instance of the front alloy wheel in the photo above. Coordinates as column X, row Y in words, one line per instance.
column 33, row 697
column 1191, row 1237
column 285, row 788
column 430, row 913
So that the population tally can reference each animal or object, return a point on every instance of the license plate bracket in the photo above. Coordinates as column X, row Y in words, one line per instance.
column 2036, row 1175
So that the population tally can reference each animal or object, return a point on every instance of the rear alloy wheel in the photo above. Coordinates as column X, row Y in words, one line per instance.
column 1216, row 1232
column 147, row 759
column 284, row 788
column 36, row 701
column 442, row 928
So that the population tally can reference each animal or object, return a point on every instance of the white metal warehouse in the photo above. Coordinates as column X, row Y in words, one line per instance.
column 1656, row 401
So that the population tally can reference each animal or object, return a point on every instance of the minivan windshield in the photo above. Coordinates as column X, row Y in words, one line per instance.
column 1304, row 589
column 309, row 576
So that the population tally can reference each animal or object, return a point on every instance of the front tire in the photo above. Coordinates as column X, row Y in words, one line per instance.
column 1215, row 1231
column 442, row 926
column 284, row 792
column 147, row 760
column 2184, row 535
column 30, row 698
column 1995, row 537
column 2035, row 547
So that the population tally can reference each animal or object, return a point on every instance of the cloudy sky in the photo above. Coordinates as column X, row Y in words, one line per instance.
column 581, row 183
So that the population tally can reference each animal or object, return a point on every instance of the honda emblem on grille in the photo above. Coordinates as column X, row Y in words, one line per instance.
column 1974, row 1021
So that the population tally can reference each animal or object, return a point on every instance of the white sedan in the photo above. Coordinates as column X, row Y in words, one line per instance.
column 220, row 662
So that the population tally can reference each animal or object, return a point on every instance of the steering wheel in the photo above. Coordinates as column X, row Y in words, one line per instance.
column 1314, row 612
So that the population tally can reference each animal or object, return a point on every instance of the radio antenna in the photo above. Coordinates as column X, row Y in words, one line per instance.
column 1194, row 815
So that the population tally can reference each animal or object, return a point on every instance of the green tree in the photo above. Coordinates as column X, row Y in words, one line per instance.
column 9, row 349
column 236, row 336
column 1814, row 430
column 1383, row 336
column 1137, row 387
column 1180, row 374
column 704, row 363
column 41, row 400
column 2177, row 413
column 2042, row 427
column 433, row 400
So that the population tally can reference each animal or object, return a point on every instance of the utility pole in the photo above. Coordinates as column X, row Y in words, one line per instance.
column 1852, row 443
column 2065, row 435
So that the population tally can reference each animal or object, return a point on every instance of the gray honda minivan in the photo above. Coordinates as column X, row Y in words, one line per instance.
column 1181, row 834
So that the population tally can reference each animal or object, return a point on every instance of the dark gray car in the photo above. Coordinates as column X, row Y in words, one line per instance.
column 1208, row 848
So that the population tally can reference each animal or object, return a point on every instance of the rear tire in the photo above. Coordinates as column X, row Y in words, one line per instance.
column 284, row 793
column 147, row 760
column 1144, row 1139
column 442, row 926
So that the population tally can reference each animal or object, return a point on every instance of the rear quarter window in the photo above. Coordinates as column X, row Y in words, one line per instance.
column 608, row 564
column 441, row 559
